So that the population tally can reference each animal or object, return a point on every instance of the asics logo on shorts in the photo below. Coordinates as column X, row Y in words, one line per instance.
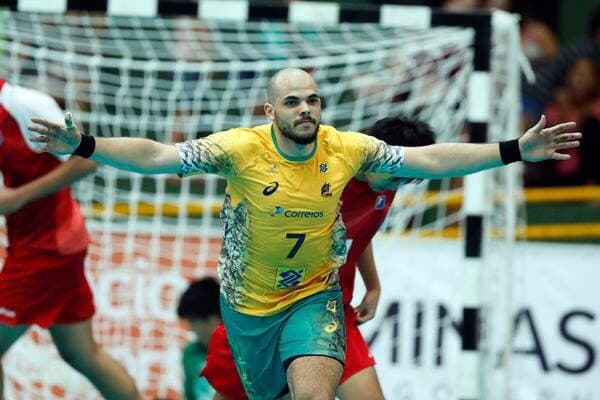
column 289, row 278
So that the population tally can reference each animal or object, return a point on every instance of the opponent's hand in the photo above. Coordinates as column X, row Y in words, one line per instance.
column 10, row 201
column 56, row 138
column 368, row 306
column 540, row 143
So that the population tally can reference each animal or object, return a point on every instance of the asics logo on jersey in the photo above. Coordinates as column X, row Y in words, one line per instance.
column 289, row 278
column 269, row 190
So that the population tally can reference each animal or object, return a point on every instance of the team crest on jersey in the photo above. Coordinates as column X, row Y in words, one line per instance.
column 326, row 190
column 323, row 167
column 380, row 202
column 289, row 277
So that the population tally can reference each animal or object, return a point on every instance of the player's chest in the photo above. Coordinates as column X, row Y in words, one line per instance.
column 318, row 181
column 13, row 149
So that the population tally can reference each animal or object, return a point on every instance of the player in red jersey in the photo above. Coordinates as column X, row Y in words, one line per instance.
column 42, row 280
column 366, row 201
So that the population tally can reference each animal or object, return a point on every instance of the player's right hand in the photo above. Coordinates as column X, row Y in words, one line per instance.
column 56, row 138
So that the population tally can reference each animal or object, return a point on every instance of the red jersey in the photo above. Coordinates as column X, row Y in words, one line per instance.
column 363, row 212
column 52, row 223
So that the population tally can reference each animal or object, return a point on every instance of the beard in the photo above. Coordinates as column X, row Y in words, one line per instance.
column 288, row 132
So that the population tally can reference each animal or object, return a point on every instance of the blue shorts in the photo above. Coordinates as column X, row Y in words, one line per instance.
column 263, row 347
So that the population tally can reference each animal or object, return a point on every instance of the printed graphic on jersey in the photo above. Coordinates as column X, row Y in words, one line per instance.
column 232, row 260
column 338, row 247
column 385, row 159
column 380, row 202
column 287, row 278
column 296, row 213
column 203, row 156
column 326, row 190
column 269, row 190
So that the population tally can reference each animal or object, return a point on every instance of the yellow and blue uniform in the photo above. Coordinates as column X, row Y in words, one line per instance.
column 284, row 237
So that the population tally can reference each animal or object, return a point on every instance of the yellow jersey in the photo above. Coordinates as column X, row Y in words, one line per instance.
column 284, row 237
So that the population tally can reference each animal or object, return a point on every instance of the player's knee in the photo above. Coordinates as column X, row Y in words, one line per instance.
column 311, row 393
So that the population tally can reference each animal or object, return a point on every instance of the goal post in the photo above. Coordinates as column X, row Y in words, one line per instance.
column 173, row 78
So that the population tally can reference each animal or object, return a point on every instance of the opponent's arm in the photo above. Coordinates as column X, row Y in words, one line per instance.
column 368, row 271
column 132, row 154
column 458, row 159
column 13, row 199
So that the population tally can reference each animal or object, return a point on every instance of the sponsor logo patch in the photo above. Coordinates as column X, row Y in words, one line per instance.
column 289, row 277
column 380, row 202
column 296, row 213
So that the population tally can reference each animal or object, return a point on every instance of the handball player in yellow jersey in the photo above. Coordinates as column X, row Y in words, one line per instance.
column 284, row 238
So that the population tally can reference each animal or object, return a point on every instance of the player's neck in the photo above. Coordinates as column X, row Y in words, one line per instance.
column 290, row 149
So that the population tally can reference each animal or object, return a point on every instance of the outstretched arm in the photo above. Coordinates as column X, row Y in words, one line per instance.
column 12, row 199
column 366, row 266
column 133, row 154
column 458, row 159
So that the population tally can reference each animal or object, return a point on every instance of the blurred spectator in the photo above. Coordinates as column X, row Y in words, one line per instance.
column 460, row 5
column 540, row 46
column 537, row 95
column 539, row 43
column 199, row 306
column 578, row 100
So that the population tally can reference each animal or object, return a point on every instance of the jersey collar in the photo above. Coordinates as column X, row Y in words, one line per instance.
column 293, row 158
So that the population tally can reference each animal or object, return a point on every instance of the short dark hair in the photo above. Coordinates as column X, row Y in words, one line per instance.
column 200, row 300
column 402, row 131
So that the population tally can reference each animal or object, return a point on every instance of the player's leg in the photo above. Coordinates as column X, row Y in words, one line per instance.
column 220, row 369
column 8, row 336
column 254, row 341
column 359, row 380
column 314, row 377
column 76, row 345
column 363, row 385
column 313, row 346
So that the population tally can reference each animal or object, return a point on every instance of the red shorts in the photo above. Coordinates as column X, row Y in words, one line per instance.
column 221, row 373
column 31, row 293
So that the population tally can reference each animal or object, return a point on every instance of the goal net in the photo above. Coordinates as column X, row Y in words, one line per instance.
column 174, row 79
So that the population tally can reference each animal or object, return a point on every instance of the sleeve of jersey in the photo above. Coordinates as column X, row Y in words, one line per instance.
column 213, row 154
column 27, row 103
column 374, row 155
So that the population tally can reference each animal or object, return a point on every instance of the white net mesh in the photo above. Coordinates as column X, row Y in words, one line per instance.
column 505, row 216
column 177, row 79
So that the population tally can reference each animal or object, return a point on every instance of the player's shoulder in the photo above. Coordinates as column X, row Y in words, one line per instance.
column 332, row 137
column 243, row 137
column 19, row 97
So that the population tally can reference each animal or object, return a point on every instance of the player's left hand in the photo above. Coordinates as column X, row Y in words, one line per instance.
column 55, row 137
column 540, row 143
column 368, row 306
column 10, row 201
